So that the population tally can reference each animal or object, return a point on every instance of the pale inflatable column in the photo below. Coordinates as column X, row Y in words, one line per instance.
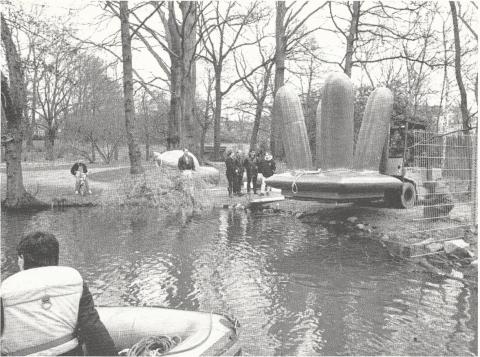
column 374, row 130
column 294, row 132
column 335, row 123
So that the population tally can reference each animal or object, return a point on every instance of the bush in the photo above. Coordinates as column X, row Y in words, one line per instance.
column 164, row 188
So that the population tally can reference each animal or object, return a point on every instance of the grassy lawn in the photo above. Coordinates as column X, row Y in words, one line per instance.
column 109, row 175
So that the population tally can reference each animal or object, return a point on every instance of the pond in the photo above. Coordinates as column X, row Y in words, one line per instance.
column 296, row 288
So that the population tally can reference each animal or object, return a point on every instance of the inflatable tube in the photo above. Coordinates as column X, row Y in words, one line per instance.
column 338, row 185
column 170, row 158
column 374, row 130
column 200, row 333
column 334, row 139
column 294, row 133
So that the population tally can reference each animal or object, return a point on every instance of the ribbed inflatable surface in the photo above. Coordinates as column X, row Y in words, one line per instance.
column 294, row 133
column 374, row 130
column 334, row 137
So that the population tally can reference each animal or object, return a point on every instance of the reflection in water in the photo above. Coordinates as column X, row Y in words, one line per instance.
column 297, row 289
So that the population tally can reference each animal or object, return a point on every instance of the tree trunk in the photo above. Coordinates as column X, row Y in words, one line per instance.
column 13, row 105
column 93, row 151
column 276, row 145
column 147, row 148
column 133, row 149
column 32, row 121
column 49, row 144
column 203, row 134
column 352, row 34
column 256, row 126
column 115, row 153
column 458, row 69
column 217, row 115
column 188, row 72
column 310, row 118
column 105, row 158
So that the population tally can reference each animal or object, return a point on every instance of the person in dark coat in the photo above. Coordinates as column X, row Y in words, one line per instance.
column 266, row 166
column 185, row 162
column 78, row 169
column 230, row 171
column 38, row 255
column 240, row 169
column 251, row 166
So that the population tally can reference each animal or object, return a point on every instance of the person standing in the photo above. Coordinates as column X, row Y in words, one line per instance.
column 266, row 166
column 251, row 166
column 185, row 162
column 48, row 309
column 230, row 171
column 239, row 173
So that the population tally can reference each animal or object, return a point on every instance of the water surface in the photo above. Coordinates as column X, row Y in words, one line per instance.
column 296, row 288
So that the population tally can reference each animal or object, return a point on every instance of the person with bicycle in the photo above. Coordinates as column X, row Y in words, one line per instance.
column 79, row 170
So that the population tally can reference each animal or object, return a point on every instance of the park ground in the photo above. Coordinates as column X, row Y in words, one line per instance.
column 53, row 184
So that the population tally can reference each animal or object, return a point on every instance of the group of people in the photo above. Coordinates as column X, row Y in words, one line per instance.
column 256, row 165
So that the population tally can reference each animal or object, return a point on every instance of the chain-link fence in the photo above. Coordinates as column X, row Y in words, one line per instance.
column 443, row 169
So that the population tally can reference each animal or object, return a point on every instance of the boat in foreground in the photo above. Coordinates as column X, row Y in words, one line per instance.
column 200, row 333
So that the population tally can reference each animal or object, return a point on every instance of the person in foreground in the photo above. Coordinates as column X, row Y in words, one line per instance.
column 47, row 309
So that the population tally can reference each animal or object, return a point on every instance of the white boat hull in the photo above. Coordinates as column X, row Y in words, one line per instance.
column 201, row 333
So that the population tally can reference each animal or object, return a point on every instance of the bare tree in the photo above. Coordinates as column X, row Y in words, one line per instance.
column 308, row 69
column 227, row 28
column 370, row 25
column 289, row 33
column 351, row 37
column 55, row 87
column 458, row 69
column 13, row 103
column 96, row 110
column 257, row 85
column 180, row 43
column 204, row 113
column 133, row 149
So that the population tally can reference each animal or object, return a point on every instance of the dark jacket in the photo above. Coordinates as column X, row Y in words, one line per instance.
column 186, row 163
column 90, row 330
column 266, row 168
column 230, row 166
column 251, row 165
column 239, row 164
column 76, row 166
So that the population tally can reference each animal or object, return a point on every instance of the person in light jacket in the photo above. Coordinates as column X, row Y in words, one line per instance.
column 48, row 309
